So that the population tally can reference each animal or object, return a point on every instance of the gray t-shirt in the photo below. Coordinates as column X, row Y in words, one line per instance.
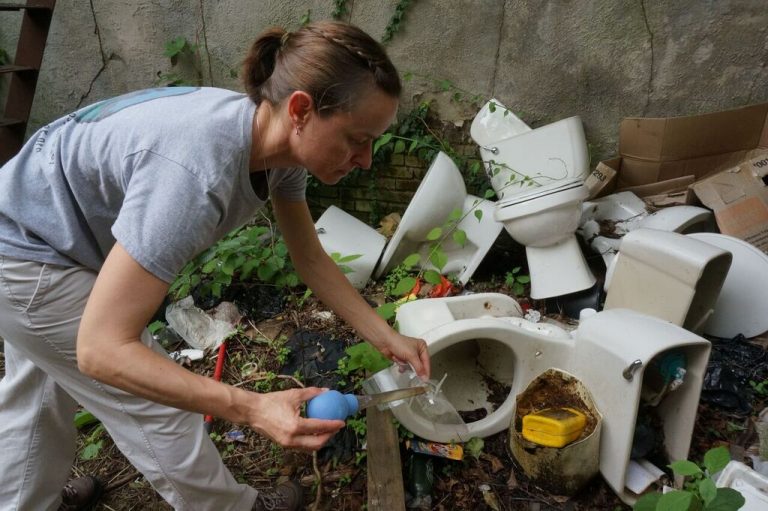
column 162, row 171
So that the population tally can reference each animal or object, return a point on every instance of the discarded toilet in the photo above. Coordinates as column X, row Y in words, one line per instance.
column 441, row 192
column 486, row 348
column 538, row 175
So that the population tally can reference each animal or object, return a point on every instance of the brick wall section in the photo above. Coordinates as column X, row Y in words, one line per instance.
column 371, row 195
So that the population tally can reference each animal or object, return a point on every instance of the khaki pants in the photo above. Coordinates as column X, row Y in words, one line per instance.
column 40, row 310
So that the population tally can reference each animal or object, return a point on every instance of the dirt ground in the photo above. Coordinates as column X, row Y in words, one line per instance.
column 337, row 474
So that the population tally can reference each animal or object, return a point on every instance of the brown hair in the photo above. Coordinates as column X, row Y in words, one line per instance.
column 332, row 61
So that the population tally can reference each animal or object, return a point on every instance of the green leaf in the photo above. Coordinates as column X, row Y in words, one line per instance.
column 407, row 76
column 479, row 214
column 491, row 106
column 345, row 269
column 685, row 468
column 474, row 447
column 349, row 258
column 266, row 271
column 727, row 499
column 445, row 85
column 155, row 326
column 432, row 277
column 174, row 46
column 707, row 490
column 647, row 502
column 716, row 459
column 387, row 310
column 382, row 140
column 438, row 258
column 404, row 286
column 210, row 266
column 489, row 193
column 247, row 269
column 675, row 501
column 413, row 146
column 91, row 450
column 460, row 237
column 455, row 214
column 524, row 279
column 411, row 260
column 399, row 147
column 434, row 234
column 84, row 418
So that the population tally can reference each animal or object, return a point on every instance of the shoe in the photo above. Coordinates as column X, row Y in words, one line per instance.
column 81, row 494
column 288, row 496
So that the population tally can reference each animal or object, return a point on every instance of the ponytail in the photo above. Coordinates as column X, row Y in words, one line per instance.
column 260, row 62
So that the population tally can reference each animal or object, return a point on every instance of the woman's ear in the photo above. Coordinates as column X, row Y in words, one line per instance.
column 300, row 109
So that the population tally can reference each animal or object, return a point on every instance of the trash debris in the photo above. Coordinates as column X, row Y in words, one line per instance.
column 314, row 356
column 489, row 497
column 388, row 224
column 419, row 481
column 733, row 363
column 186, row 357
column 533, row 315
column 200, row 329
column 234, row 436
column 449, row 451
column 554, row 427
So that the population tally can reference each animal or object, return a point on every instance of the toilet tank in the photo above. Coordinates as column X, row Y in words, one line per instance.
column 613, row 352
column 546, row 157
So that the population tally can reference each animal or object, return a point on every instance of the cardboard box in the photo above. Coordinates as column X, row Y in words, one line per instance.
column 665, row 155
column 739, row 198
column 666, row 161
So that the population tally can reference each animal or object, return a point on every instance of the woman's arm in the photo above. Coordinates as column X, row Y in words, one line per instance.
column 123, row 300
column 321, row 274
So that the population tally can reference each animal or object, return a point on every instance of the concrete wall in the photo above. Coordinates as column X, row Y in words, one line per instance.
column 600, row 59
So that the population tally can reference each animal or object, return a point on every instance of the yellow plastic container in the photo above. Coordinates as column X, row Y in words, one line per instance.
column 554, row 427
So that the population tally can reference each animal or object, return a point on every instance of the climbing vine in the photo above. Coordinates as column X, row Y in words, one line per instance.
column 396, row 20
column 340, row 9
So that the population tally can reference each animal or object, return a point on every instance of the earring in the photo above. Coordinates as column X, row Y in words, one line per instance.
column 298, row 130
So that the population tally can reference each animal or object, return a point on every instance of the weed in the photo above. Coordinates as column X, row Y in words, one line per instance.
column 699, row 491
column 516, row 282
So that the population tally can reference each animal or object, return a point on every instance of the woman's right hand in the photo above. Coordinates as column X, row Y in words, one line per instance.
column 277, row 415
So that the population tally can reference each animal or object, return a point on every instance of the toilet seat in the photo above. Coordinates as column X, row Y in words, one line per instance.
column 536, row 191
column 529, row 204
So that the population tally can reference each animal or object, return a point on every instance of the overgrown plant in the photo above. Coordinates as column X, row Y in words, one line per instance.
column 242, row 254
column 185, row 60
column 699, row 492
column 515, row 281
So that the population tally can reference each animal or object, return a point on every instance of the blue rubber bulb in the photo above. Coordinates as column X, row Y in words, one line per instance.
column 332, row 405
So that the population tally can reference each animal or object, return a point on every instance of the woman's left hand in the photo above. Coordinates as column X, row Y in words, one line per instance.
column 403, row 349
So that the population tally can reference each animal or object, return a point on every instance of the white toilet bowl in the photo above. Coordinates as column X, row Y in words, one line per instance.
column 441, row 192
column 341, row 233
column 474, row 337
column 538, row 176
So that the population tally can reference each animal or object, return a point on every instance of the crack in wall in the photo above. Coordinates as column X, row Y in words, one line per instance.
column 205, row 43
column 756, row 80
column 104, row 60
column 498, row 49
column 650, row 73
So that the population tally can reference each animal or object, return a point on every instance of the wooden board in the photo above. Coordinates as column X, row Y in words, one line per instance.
column 385, row 474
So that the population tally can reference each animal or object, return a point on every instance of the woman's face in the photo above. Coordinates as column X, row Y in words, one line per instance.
column 331, row 147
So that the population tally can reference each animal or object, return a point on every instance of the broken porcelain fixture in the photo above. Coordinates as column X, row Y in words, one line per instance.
column 538, row 176
column 482, row 337
column 752, row 485
column 441, row 192
column 341, row 233
column 741, row 305
column 623, row 212
column 667, row 275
